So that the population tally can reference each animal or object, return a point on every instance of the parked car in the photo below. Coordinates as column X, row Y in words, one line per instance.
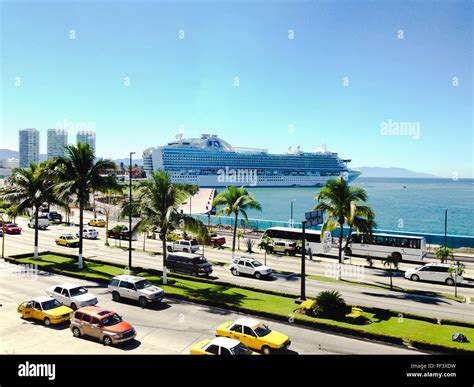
column 217, row 240
column 89, row 233
column 254, row 334
column 67, row 240
column 1, row 232
column 55, row 216
column 284, row 247
column 186, row 246
column 124, row 235
column 102, row 324
column 221, row 346
column 11, row 228
column 97, row 222
column 436, row 272
column 43, row 223
column 188, row 263
column 73, row 295
column 135, row 288
column 249, row 266
column 45, row 309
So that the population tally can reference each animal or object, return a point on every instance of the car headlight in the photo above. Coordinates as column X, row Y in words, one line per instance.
column 57, row 317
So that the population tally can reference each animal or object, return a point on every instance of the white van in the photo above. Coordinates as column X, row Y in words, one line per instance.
column 43, row 223
column 435, row 272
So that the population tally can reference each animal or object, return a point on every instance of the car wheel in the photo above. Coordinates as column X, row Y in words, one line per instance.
column 76, row 332
column 449, row 282
column 397, row 256
column 194, row 274
column 258, row 275
column 68, row 245
column 47, row 321
column 107, row 340
column 266, row 350
column 142, row 301
column 348, row 251
column 414, row 277
column 185, row 250
column 286, row 252
column 73, row 306
column 235, row 272
column 115, row 296
column 170, row 249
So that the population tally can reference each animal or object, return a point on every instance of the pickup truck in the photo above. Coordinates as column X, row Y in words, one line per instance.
column 124, row 235
column 43, row 223
column 55, row 216
column 186, row 246
column 217, row 240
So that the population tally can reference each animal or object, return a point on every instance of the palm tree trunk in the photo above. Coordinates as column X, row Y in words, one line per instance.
column 165, row 279
column 347, row 240
column 144, row 240
column 341, row 235
column 81, row 225
column 36, row 232
column 107, row 228
column 391, row 287
column 234, row 236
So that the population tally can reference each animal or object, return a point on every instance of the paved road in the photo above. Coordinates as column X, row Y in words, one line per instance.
column 170, row 328
column 431, row 306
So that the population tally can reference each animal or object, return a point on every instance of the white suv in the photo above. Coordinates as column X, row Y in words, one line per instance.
column 186, row 246
column 436, row 272
column 135, row 288
column 72, row 295
column 249, row 266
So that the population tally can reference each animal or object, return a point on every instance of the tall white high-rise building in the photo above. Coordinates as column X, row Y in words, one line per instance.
column 87, row 137
column 57, row 141
column 29, row 147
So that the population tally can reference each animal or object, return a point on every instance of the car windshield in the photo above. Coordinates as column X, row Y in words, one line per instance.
column 51, row 304
column 143, row 284
column 241, row 349
column 77, row 291
column 111, row 320
column 262, row 330
column 256, row 264
column 12, row 225
column 69, row 237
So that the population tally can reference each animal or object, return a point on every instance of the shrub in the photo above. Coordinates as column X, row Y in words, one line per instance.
column 330, row 304
column 249, row 243
column 356, row 317
column 306, row 307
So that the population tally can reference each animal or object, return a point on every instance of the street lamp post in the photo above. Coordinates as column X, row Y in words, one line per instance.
column 3, row 236
column 303, row 257
column 445, row 227
column 130, row 214
column 291, row 212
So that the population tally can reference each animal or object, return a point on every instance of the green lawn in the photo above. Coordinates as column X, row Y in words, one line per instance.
column 253, row 300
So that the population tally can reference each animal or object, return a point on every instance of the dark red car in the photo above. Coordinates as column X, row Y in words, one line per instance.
column 11, row 228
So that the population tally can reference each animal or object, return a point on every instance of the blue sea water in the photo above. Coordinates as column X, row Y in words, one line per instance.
column 410, row 204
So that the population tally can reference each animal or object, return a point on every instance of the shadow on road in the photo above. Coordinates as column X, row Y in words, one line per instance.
column 432, row 300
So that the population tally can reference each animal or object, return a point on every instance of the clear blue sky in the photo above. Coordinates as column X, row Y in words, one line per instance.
column 283, row 81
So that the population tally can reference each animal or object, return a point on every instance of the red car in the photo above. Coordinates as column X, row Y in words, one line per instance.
column 11, row 228
column 217, row 240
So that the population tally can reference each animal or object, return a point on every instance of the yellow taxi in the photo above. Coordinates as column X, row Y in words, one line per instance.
column 45, row 309
column 221, row 346
column 254, row 334
column 96, row 222
column 67, row 240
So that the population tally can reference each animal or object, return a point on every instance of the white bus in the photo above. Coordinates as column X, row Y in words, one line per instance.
column 313, row 239
column 380, row 245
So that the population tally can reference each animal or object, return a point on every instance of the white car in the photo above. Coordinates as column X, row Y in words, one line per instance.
column 89, row 233
column 73, row 295
column 135, row 288
column 186, row 246
column 249, row 266
column 221, row 346
column 43, row 223
column 436, row 272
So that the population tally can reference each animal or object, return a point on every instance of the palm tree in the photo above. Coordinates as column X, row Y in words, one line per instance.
column 80, row 174
column 266, row 244
column 158, row 200
column 392, row 262
column 235, row 201
column 341, row 202
column 361, row 218
column 29, row 189
column 444, row 253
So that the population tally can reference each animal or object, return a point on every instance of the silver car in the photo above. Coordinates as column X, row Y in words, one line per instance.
column 135, row 288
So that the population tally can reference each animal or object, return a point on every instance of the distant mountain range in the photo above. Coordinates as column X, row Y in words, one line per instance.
column 392, row 172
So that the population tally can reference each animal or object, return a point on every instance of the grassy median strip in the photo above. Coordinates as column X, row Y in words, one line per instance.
column 384, row 326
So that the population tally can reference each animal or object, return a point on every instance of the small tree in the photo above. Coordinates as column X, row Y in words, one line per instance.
column 330, row 304
column 119, row 229
column 392, row 262
column 266, row 244
column 444, row 253
column 456, row 271
column 249, row 244
column 240, row 235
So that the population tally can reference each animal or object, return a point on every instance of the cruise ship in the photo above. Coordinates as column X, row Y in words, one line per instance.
column 209, row 161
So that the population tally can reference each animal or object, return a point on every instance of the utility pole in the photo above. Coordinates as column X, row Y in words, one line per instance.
column 130, row 215
column 445, row 227
column 303, row 257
